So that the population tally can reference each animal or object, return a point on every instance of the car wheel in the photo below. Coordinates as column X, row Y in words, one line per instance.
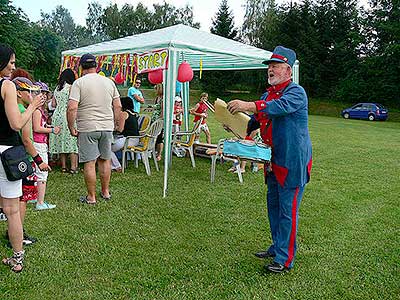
column 371, row 117
column 346, row 115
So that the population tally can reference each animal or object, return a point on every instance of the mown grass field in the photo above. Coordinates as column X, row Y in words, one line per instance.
column 198, row 243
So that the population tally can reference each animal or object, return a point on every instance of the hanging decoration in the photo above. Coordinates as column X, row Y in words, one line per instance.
column 185, row 72
column 102, row 61
column 150, row 61
column 133, row 71
column 201, row 67
column 114, row 60
column 155, row 77
column 119, row 78
column 119, row 67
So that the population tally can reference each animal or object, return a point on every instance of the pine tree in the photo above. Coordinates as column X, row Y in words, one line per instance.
column 223, row 24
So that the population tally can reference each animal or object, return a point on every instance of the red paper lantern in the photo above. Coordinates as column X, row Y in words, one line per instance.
column 119, row 78
column 155, row 77
column 185, row 72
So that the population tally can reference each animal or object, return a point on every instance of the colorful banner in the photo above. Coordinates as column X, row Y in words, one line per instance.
column 151, row 61
column 122, row 67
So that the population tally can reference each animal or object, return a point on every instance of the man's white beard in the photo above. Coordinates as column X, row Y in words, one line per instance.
column 275, row 80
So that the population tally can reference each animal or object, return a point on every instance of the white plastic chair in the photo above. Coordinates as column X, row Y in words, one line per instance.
column 186, row 139
column 146, row 146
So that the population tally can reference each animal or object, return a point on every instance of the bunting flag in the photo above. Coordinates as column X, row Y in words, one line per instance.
column 133, row 70
column 123, row 64
column 201, row 67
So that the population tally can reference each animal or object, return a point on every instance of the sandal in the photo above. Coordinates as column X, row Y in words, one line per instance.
column 104, row 197
column 15, row 262
column 84, row 199
column 232, row 169
column 74, row 171
column 64, row 170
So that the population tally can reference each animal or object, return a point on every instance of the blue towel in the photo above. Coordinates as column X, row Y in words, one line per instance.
column 247, row 149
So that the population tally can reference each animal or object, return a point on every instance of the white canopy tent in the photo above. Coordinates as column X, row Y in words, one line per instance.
column 183, row 43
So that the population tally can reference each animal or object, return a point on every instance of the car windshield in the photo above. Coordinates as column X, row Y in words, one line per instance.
column 380, row 106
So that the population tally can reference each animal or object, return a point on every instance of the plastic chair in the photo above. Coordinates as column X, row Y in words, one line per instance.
column 143, row 123
column 146, row 147
column 186, row 139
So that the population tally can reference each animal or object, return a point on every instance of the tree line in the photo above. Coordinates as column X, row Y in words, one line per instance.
column 347, row 53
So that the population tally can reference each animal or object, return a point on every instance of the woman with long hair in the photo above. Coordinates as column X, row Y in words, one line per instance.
column 64, row 143
column 11, row 121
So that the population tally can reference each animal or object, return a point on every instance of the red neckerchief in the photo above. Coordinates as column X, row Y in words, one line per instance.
column 274, row 92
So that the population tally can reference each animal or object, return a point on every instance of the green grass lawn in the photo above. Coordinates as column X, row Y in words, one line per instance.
column 198, row 243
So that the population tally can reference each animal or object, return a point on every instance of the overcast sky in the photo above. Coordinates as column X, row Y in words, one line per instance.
column 203, row 10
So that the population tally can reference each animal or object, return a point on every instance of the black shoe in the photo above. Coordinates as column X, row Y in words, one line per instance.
column 264, row 254
column 28, row 240
column 276, row 268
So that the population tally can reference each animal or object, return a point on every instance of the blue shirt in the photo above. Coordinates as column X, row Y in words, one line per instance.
column 136, row 104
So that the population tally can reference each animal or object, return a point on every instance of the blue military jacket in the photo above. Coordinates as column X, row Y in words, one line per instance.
column 291, row 145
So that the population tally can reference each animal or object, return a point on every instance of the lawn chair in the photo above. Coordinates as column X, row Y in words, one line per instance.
column 185, row 140
column 143, row 123
column 146, row 147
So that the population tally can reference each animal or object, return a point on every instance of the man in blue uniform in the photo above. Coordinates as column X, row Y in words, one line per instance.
column 282, row 114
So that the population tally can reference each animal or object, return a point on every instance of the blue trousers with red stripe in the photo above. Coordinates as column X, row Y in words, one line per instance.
column 283, row 207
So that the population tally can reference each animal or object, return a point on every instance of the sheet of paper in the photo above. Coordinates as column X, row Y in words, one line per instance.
column 237, row 122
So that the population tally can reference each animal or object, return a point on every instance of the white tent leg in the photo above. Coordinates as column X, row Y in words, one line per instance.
column 170, row 76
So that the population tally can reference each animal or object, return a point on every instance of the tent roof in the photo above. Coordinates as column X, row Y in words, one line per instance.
column 216, row 52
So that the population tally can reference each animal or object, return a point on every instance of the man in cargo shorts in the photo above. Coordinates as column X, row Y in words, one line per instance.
column 93, row 103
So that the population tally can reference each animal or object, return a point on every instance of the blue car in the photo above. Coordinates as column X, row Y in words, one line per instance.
column 367, row 111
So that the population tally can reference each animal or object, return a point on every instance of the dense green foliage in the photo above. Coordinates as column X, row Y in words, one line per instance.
column 347, row 53
column 199, row 242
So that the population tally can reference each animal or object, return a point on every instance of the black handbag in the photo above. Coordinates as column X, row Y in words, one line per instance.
column 16, row 163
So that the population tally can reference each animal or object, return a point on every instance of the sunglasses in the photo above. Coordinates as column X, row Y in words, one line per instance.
column 35, row 93
column 138, row 82
column 32, row 92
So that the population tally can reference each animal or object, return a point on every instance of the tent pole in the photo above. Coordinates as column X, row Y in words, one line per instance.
column 169, row 94
column 296, row 71
column 185, row 90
